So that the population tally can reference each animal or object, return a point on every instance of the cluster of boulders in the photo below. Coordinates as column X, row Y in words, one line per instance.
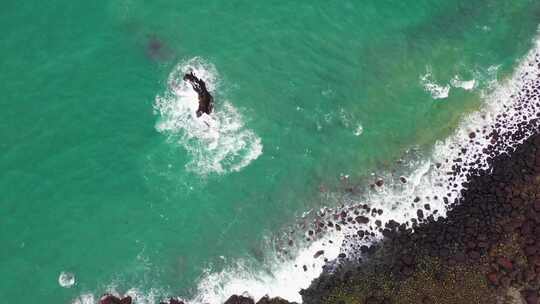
column 499, row 207
column 236, row 299
column 492, row 224
column 112, row 299
column 491, row 201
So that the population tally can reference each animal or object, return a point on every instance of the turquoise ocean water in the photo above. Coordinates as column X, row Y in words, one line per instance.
column 104, row 173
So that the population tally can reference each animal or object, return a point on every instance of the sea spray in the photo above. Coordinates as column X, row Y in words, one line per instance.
column 279, row 277
column 437, row 91
column 217, row 143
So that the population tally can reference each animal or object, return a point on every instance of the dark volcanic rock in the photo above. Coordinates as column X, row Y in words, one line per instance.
column 277, row 300
column 493, row 225
column 110, row 299
column 235, row 299
column 362, row 219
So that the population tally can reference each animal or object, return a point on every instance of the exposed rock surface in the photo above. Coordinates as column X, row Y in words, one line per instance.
column 489, row 241
column 235, row 299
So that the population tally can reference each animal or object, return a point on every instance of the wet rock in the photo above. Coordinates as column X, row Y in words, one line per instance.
column 111, row 299
column 276, row 300
column 318, row 254
column 362, row 219
column 236, row 299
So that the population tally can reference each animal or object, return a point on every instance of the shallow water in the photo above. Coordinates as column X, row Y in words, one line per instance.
column 98, row 181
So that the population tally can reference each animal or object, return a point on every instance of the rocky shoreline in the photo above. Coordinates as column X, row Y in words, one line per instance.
column 486, row 249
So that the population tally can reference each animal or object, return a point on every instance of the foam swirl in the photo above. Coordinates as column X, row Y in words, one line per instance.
column 217, row 143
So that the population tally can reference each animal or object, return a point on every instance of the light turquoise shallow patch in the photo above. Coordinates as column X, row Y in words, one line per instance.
column 89, row 186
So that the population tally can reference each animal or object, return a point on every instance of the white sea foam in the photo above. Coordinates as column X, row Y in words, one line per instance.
column 442, row 91
column 86, row 298
column 436, row 90
column 343, row 118
column 282, row 278
column 467, row 85
column 217, row 143
column 66, row 279
column 359, row 130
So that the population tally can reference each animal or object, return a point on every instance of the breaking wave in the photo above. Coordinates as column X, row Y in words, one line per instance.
column 217, row 143
column 442, row 91
column 437, row 91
